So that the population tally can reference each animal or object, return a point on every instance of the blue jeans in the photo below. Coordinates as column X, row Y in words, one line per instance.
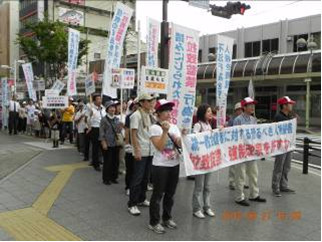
column 139, row 183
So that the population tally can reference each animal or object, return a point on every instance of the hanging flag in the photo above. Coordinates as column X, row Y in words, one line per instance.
column 223, row 68
column 183, row 66
column 152, row 39
column 251, row 90
column 119, row 25
column 73, row 44
column 29, row 76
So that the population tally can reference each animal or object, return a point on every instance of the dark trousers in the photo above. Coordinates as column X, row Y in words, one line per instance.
column 81, row 142
column 165, row 180
column 129, row 164
column 139, row 182
column 67, row 126
column 13, row 122
column 22, row 124
column 95, row 146
column 111, row 164
column 87, row 144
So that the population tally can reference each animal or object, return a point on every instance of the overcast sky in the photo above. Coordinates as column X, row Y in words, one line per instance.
column 261, row 12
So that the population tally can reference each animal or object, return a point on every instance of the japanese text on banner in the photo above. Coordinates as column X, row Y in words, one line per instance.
column 183, row 74
column 154, row 80
column 213, row 150
column 29, row 76
column 119, row 25
column 153, row 30
column 73, row 45
column 223, row 69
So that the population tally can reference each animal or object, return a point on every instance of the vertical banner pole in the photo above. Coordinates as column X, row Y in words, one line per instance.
column 139, row 59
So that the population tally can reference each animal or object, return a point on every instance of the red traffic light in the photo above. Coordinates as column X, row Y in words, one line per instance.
column 242, row 10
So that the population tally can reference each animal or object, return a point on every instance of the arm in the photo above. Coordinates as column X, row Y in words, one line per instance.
column 127, row 136
column 159, row 142
column 102, row 136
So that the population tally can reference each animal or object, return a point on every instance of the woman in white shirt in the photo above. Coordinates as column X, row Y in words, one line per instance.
column 166, row 139
column 202, row 191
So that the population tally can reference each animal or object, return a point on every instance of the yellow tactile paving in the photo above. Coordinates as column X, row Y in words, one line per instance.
column 32, row 223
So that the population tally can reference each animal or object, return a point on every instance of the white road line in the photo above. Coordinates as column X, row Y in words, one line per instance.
column 297, row 166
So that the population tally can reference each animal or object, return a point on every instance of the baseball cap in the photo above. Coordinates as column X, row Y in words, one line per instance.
column 285, row 100
column 248, row 100
column 238, row 106
column 163, row 103
column 145, row 96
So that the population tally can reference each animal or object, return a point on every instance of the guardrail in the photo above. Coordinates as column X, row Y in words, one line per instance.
column 306, row 153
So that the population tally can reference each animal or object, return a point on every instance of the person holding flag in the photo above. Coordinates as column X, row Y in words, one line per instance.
column 248, row 167
column 282, row 164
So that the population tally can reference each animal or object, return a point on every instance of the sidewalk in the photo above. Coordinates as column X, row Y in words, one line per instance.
column 67, row 201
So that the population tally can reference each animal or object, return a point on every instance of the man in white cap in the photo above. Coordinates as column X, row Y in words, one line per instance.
column 282, row 164
column 140, row 123
column 249, row 167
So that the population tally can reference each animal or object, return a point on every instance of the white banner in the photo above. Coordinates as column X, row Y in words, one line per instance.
column 223, row 68
column 39, row 85
column 71, row 16
column 29, row 76
column 73, row 45
column 5, row 91
column 123, row 78
column 152, row 39
column 55, row 102
column 183, row 66
column 89, row 85
column 154, row 80
column 213, row 150
column 251, row 90
column 58, row 86
column 119, row 25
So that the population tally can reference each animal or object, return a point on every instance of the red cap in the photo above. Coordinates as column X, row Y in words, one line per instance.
column 285, row 100
column 162, row 102
column 248, row 100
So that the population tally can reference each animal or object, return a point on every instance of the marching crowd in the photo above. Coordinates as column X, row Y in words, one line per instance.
column 137, row 138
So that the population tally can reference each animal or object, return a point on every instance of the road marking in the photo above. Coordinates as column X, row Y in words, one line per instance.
column 32, row 223
column 297, row 166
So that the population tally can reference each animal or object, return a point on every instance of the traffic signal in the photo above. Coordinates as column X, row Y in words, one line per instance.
column 230, row 9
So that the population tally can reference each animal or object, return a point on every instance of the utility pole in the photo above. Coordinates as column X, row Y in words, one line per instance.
column 165, row 36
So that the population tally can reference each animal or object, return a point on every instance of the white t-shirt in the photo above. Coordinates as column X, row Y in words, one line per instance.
column 169, row 157
column 81, row 125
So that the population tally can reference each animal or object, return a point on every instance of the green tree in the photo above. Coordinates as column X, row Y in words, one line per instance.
column 49, row 46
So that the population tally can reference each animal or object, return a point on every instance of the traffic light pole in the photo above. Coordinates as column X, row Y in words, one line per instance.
column 164, row 36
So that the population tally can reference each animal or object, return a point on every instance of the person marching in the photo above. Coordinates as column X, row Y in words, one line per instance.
column 140, row 122
column 54, row 128
column 67, row 121
column 249, row 167
column 231, row 174
column 95, row 114
column 109, row 127
column 202, row 190
column 166, row 139
column 282, row 164
column 14, row 107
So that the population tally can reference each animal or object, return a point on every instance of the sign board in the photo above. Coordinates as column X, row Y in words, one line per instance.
column 71, row 16
column 58, row 86
column 199, row 3
column 89, row 85
column 55, row 102
column 51, row 92
column 123, row 78
column 154, row 80
column 39, row 85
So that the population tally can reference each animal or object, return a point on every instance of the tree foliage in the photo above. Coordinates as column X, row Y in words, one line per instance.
column 48, row 44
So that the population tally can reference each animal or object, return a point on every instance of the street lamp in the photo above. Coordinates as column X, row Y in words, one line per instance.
column 311, row 45
column 15, row 73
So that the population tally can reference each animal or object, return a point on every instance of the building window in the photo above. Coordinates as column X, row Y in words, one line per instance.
column 212, row 50
column 234, row 51
column 200, row 56
column 270, row 45
column 295, row 38
column 252, row 49
column 97, row 56
column 317, row 39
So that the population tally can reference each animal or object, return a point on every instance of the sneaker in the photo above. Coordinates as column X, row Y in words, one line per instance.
column 134, row 211
column 159, row 229
column 258, row 199
column 170, row 224
column 150, row 187
column 146, row 203
column 277, row 193
column 209, row 212
column 288, row 190
column 127, row 192
column 243, row 203
column 199, row 214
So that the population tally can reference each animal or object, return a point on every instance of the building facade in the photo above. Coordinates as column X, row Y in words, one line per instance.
column 268, row 55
